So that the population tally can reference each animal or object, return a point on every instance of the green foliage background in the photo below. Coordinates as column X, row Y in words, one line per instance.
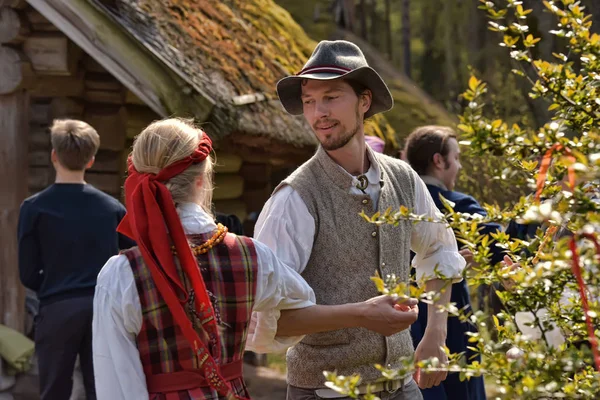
column 559, row 158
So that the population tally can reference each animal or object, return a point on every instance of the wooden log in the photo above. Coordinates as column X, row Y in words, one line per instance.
column 228, row 186
column 14, row 110
column 110, row 123
column 227, row 163
column 39, row 137
column 36, row 17
column 131, row 98
column 236, row 207
column 39, row 158
column 16, row 71
column 103, row 88
column 44, row 27
column 91, row 65
column 52, row 54
column 256, row 173
column 39, row 177
column 138, row 118
column 100, row 81
column 255, row 199
column 40, row 113
column 58, row 86
column 250, row 185
column 108, row 161
column 107, row 182
column 104, row 97
column 66, row 107
column 13, row 27
column 18, row 4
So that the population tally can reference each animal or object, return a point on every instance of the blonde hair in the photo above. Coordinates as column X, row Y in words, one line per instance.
column 167, row 141
column 75, row 143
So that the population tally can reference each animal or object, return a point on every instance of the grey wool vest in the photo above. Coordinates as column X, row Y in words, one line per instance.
column 346, row 253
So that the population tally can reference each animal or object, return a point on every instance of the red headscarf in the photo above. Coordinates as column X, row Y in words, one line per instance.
column 152, row 221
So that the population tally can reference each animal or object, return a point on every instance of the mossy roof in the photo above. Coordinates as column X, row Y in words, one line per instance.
column 227, row 49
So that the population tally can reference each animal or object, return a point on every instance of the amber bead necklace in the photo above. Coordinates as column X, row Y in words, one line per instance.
column 210, row 243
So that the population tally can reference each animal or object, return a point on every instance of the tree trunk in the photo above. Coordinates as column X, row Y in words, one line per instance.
column 388, row 30
column 349, row 13
column 545, row 23
column 374, row 23
column 406, row 61
column 450, row 73
column 363, row 19
column 431, row 62
column 14, row 112
column 476, row 39
column 593, row 8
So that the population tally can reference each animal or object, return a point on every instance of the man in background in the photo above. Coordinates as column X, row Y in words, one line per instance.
column 434, row 154
column 66, row 233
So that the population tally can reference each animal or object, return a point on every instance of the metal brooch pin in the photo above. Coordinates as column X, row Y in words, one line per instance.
column 363, row 182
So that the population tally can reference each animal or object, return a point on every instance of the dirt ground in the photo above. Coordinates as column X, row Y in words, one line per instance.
column 264, row 383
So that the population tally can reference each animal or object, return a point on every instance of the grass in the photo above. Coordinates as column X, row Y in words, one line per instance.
column 276, row 361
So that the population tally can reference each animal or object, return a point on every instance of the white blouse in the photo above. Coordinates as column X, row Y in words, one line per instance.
column 118, row 318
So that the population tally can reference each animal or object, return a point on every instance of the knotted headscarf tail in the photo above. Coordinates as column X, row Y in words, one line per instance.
column 152, row 221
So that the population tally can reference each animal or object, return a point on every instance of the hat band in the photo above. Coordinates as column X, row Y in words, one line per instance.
column 334, row 69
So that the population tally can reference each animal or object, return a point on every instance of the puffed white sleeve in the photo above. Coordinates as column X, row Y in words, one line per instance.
column 434, row 244
column 117, row 320
column 279, row 287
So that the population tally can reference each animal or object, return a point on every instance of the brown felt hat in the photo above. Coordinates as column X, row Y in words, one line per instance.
column 330, row 60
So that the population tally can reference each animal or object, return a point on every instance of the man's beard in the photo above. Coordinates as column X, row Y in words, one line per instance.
column 339, row 142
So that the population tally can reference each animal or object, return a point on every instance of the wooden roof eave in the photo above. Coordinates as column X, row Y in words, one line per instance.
column 125, row 58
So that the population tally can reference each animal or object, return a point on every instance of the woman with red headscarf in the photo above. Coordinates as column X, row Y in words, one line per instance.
column 171, row 315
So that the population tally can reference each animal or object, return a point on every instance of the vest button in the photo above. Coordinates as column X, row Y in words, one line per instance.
column 365, row 201
column 383, row 264
column 374, row 233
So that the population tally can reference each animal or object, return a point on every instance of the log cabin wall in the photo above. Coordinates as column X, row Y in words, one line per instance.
column 71, row 84
column 47, row 77
column 15, row 80
column 229, row 185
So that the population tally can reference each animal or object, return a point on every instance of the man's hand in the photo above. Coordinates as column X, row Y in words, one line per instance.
column 431, row 346
column 434, row 338
column 468, row 256
column 388, row 315
column 509, row 266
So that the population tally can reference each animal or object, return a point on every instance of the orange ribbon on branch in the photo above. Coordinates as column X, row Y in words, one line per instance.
column 576, row 268
column 582, row 291
column 545, row 165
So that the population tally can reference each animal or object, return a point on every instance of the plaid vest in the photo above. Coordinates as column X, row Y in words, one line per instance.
column 229, row 271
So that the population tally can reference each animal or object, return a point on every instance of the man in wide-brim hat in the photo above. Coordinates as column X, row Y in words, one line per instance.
column 312, row 223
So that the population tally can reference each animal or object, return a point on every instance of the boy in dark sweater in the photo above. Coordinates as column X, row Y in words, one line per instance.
column 66, row 234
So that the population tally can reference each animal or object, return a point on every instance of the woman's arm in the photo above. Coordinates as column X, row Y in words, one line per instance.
column 117, row 320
